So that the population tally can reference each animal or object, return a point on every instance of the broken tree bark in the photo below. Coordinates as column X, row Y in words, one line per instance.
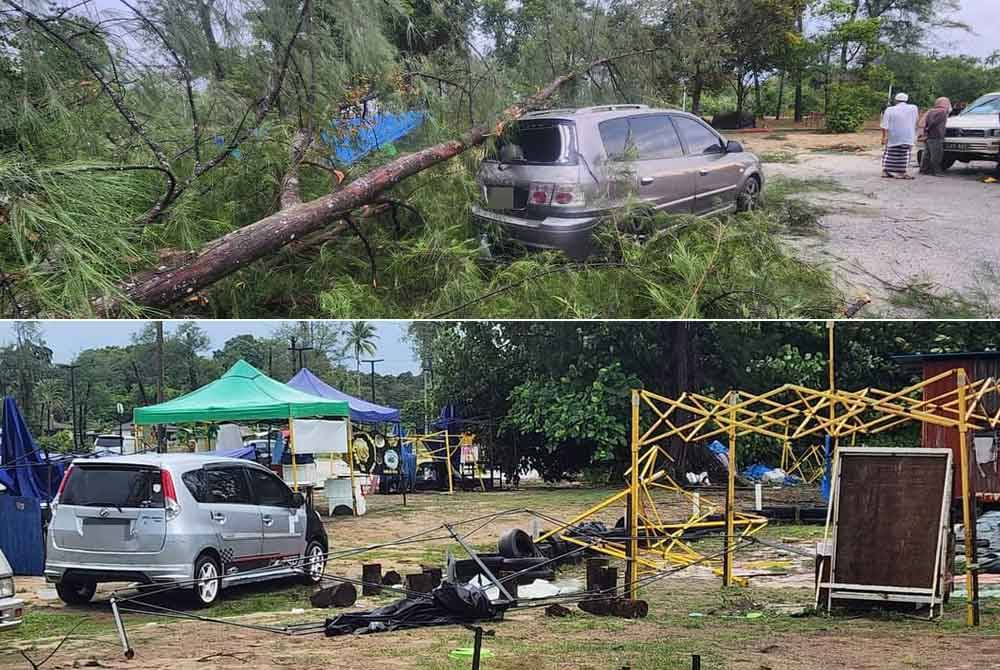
column 236, row 250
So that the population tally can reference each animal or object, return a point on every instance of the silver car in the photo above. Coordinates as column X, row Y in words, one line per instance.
column 554, row 175
column 199, row 522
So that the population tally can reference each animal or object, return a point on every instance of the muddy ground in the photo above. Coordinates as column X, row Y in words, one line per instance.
column 689, row 612
column 927, row 247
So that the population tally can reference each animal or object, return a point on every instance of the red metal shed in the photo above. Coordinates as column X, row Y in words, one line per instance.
column 984, row 475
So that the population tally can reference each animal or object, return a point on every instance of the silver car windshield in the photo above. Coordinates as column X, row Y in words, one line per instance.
column 981, row 106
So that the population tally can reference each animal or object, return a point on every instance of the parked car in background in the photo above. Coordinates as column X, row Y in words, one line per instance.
column 11, row 608
column 973, row 135
column 196, row 521
column 555, row 175
column 113, row 443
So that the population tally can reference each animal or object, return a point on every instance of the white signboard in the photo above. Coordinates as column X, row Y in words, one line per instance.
column 318, row 436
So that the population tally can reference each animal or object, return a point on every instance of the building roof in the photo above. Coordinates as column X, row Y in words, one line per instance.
column 949, row 356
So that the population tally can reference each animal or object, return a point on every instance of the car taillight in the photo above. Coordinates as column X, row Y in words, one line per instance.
column 62, row 486
column 539, row 194
column 169, row 495
column 555, row 195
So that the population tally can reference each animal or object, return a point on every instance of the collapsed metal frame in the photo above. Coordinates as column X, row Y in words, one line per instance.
column 786, row 413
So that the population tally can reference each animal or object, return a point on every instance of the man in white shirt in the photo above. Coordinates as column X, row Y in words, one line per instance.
column 899, row 134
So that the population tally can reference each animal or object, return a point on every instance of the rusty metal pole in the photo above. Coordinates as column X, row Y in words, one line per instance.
column 968, row 518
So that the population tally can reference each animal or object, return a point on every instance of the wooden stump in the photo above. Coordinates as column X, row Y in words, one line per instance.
column 630, row 609
column 419, row 582
column 338, row 595
column 594, row 566
column 371, row 576
column 433, row 573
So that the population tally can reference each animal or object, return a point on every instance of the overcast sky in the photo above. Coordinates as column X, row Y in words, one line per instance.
column 68, row 338
column 982, row 15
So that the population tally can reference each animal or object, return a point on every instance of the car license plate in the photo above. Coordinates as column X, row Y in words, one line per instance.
column 500, row 197
column 953, row 146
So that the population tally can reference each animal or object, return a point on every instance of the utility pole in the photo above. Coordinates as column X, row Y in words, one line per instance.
column 72, row 397
column 298, row 354
column 372, row 361
column 160, row 430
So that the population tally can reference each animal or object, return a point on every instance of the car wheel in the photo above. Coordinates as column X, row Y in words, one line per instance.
column 76, row 593
column 208, row 582
column 749, row 198
column 314, row 563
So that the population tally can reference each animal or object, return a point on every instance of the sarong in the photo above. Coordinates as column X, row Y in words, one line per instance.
column 896, row 159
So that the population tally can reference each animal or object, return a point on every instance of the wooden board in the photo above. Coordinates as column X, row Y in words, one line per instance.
column 888, row 520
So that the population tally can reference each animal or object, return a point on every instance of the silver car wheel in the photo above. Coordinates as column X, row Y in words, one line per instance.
column 751, row 193
column 317, row 562
column 208, row 582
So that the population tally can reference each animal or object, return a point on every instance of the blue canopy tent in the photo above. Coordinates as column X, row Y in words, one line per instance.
column 25, row 469
column 30, row 480
column 362, row 411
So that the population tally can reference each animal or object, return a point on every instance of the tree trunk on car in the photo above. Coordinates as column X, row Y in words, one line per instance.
column 237, row 249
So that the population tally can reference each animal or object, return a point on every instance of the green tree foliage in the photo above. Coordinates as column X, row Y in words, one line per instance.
column 559, row 391
column 133, row 136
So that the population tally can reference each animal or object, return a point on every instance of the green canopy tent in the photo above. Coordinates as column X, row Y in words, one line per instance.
column 243, row 393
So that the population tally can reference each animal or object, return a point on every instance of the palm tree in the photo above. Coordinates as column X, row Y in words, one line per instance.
column 361, row 339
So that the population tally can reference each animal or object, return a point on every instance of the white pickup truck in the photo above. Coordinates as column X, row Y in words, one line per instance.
column 974, row 135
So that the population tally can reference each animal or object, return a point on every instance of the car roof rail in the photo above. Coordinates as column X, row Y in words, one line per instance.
column 609, row 108
column 544, row 112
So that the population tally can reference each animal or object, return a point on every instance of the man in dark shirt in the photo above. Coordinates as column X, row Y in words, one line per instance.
column 935, row 123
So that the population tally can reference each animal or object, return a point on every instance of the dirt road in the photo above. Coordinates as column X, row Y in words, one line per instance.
column 927, row 247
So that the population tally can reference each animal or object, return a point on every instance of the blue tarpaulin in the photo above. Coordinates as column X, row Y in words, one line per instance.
column 248, row 453
column 361, row 410
column 353, row 139
column 28, row 471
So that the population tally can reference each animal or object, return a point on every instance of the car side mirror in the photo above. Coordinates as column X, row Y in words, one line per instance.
column 734, row 147
column 298, row 500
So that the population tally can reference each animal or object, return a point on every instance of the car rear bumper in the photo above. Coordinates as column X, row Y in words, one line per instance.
column 117, row 572
column 11, row 612
column 569, row 234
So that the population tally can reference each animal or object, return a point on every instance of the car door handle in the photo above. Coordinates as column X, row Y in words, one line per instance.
column 219, row 516
column 646, row 181
column 268, row 520
column 703, row 172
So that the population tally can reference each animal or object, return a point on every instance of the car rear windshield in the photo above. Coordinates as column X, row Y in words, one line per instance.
column 541, row 142
column 113, row 486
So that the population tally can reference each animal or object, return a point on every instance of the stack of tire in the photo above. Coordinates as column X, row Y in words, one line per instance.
column 516, row 553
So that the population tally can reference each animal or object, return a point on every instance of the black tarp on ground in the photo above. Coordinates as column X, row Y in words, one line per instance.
column 447, row 604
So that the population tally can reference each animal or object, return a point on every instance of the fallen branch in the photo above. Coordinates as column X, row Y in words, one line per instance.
column 236, row 250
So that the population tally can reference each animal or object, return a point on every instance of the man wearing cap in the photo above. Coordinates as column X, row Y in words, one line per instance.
column 899, row 134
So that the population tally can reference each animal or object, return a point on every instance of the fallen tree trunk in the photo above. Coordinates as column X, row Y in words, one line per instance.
column 236, row 250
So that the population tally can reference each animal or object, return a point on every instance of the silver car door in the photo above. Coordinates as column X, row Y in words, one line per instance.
column 718, row 174
column 283, row 526
column 645, row 150
column 224, row 495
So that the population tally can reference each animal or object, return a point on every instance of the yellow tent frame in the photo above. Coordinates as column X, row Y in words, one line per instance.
column 789, row 412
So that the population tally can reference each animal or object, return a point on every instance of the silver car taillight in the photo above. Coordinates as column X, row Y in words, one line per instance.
column 169, row 495
column 555, row 195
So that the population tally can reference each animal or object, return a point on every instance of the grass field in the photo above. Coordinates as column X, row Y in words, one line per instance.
column 690, row 613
